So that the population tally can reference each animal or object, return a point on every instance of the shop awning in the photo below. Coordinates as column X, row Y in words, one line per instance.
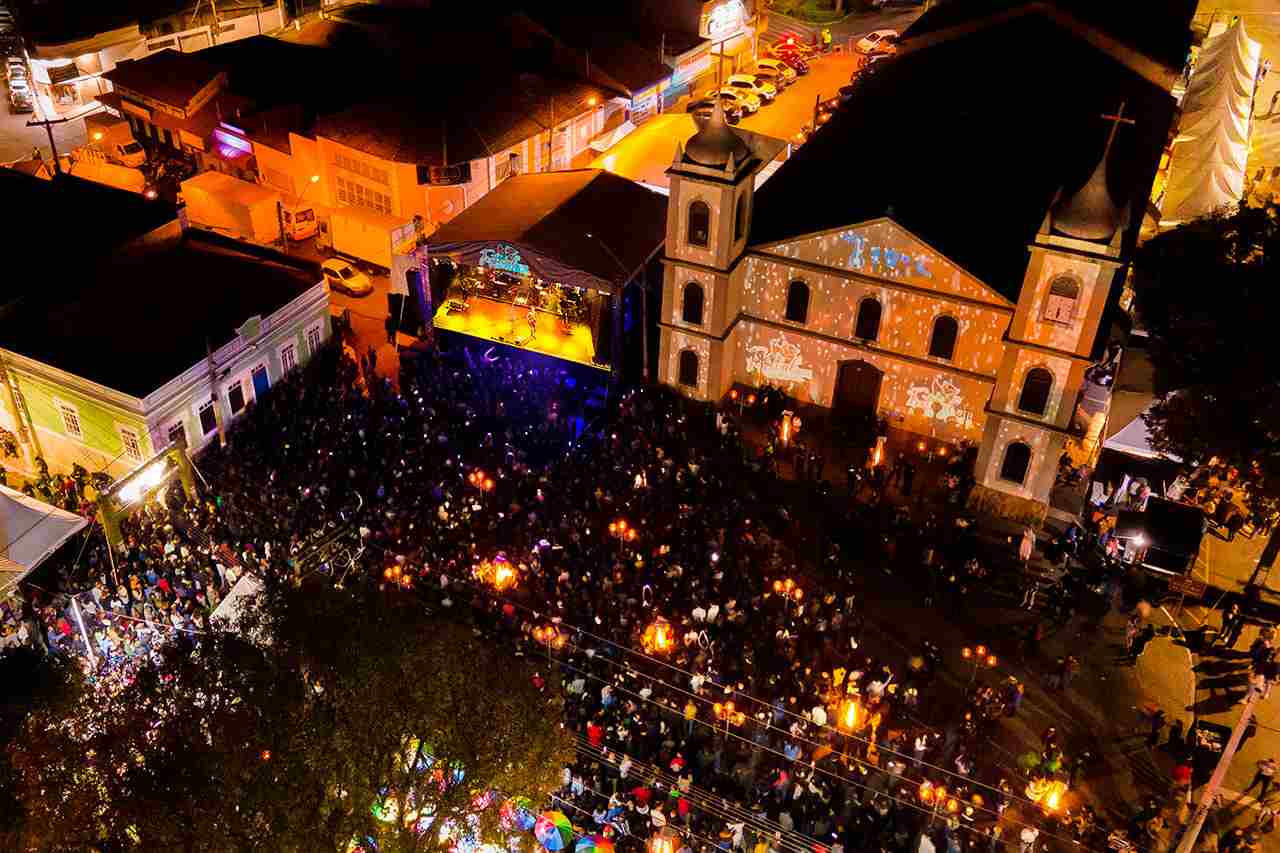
column 30, row 530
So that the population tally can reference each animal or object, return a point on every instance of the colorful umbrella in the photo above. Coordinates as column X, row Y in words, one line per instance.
column 518, row 812
column 593, row 844
column 553, row 830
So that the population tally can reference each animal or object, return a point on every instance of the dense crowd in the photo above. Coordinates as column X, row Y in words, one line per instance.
column 714, row 685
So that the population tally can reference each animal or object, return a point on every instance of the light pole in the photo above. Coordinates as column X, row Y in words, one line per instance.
column 644, row 301
column 1192, row 834
column 980, row 658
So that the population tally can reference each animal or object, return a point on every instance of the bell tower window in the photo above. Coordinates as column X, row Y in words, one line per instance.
column 1060, row 302
column 699, row 230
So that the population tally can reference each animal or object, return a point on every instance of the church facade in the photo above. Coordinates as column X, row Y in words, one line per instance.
column 870, row 317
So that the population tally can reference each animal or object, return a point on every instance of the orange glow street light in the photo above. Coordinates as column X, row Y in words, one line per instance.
column 981, row 658
column 658, row 637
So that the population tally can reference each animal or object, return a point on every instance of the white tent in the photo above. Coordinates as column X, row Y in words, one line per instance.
column 1134, row 438
column 227, row 613
column 1211, row 150
column 30, row 530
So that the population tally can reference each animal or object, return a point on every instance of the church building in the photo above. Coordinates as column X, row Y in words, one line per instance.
column 947, row 252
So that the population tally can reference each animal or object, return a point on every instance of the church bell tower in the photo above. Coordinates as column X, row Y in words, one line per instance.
column 708, row 218
column 1031, row 416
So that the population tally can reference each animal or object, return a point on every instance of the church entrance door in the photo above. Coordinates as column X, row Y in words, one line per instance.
column 857, row 388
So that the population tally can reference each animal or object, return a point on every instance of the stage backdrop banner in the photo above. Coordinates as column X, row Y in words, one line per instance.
column 519, row 260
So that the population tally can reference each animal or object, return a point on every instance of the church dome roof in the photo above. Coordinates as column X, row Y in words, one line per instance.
column 715, row 142
column 1089, row 213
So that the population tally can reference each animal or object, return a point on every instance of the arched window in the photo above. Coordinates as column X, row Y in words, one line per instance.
column 689, row 368
column 1060, row 303
column 740, row 218
column 699, row 233
column 798, row 302
column 1035, row 391
column 943, row 342
column 1017, row 458
column 868, row 326
column 691, row 304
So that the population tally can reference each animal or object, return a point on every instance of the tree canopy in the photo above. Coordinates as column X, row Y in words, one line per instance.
column 355, row 711
column 1205, row 293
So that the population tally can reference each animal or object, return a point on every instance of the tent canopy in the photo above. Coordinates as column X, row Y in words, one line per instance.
column 1134, row 438
column 1211, row 150
column 30, row 530
column 227, row 613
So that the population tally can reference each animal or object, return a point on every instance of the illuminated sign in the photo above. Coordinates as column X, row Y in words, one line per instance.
column 885, row 260
column 726, row 18
column 504, row 258
column 941, row 401
column 779, row 361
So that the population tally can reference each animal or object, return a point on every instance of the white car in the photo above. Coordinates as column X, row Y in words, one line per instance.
column 340, row 275
column 749, row 102
column 765, row 91
column 878, row 41
column 787, row 73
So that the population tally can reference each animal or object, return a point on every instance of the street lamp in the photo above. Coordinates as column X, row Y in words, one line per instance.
column 938, row 799
column 498, row 572
column 658, row 637
column 981, row 658
column 728, row 715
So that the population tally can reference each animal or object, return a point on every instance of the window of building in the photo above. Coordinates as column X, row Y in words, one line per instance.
column 509, row 166
column 689, row 369
column 1035, row 391
column 1060, row 303
column 313, row 340
column 208, row 418
column 740, row 217
column 70, row 420
column 868, row 326
column 699, row 233
column 288, row 357
column 943, row 342
column 235, row 397
column 1017, row 458
column 178, row 433
column 130, row 443
column 261, row 381
column 798, row 302
column 363, row 169
column 356, row 194
column 691, row 305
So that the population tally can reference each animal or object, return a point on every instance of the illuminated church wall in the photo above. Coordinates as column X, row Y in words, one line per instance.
column 1024, row 360
column 1038, row 327
column 1044, row 455
column 915, row 397
column 885, row 250
column 906, row 319
column 677, row 277
column 676, row 342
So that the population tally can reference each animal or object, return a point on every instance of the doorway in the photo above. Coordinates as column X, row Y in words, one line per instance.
column 857, row 388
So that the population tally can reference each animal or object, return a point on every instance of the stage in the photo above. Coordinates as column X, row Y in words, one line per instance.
column 505, row 323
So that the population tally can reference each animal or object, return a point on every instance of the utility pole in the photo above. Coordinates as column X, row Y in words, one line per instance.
column 1192, row 834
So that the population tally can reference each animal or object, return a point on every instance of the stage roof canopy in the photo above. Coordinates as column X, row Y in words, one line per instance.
column 30, row 530
column 583, row 227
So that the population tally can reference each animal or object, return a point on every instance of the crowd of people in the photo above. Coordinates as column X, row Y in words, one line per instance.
column 714, row 684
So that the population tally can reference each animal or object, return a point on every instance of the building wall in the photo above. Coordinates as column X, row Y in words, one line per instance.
column 181, row 400
column 102, row 415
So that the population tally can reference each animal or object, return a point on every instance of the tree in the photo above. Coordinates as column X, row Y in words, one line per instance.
column 344, row 704
column 1206, row 293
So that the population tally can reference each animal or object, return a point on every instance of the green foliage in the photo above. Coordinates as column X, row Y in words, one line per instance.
column 1205, row 292
column 286, row 744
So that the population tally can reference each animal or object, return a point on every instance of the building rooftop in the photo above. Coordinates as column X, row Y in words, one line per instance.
column 979, row 192
column 169, row 76
column 129, row 313
column 553, row 212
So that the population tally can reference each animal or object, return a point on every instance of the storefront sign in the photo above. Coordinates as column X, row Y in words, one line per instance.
column 779, row 361
column 504, row 258
column 942, row 401
column 725, row 19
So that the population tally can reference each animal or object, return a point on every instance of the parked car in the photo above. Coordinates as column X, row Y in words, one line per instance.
column 793, row 59
column 340, row 275
column 20, row 102
column 768, row 75
column 733, row 108
column 746, row 100
column 14, row 67
column 777, row 65
column 878, row 41
column 762, row 89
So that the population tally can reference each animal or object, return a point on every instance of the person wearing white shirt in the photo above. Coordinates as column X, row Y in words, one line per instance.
column 819, row 716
